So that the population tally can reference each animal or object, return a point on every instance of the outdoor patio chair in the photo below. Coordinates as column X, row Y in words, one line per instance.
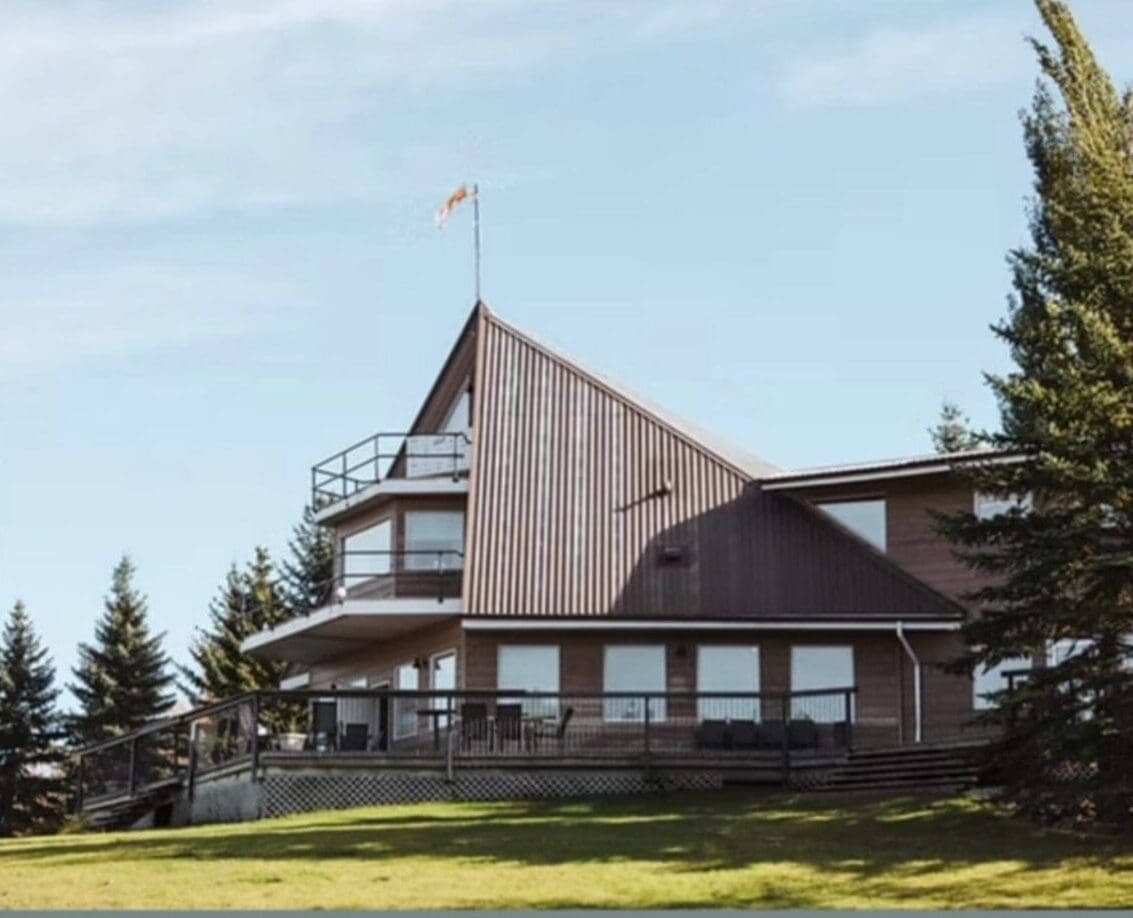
column 509, row 724
column 712, row 734
column 744, row 734
column 324, row 724
column 355, row 738
column 771, row 734
column 557, row 732
column 802, row 734
column 473, row 724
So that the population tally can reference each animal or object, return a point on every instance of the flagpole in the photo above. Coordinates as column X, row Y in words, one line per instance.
column 476, row 232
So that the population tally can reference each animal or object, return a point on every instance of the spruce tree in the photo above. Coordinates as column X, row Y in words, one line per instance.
column 308, row 573
column 953, row 433
column 124, row 678
column 1061, row 563
column 247, row 602
column 31, row 785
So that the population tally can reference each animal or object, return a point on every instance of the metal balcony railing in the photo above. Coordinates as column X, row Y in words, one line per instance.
column 450, row 728
column 366, row 574
column 384, row 455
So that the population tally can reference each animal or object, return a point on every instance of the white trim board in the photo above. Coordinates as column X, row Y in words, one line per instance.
column 471, row 623
column 390, row 487
column 373, row 608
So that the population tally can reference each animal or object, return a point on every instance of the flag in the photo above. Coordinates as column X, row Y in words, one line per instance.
column 456, row 198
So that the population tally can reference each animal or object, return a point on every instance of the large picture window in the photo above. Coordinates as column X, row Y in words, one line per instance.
column 405, row 709
column 434, row 540
column 635, row 669
column 728, row 669
column 813, row 668
column 366, row 553
column 986, row 680
column 530, row 668
column 864, row 517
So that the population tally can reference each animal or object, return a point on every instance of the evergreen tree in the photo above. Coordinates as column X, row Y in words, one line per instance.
column 247, row 602
column 308, row 572
column 1063, row 569
column 124, row 679
column 953, row 433
column 31, row 785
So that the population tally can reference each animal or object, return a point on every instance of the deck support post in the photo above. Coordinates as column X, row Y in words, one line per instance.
column 80, row 776
column 646, row 737
column 785, row 701
column 255, row 742
column 133, row 765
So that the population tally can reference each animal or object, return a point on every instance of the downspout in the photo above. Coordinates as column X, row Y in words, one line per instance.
column 912, row 655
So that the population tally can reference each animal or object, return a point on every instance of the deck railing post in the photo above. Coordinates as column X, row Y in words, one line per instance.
column 849, row 712
column 785, row 701
column 133, row 765
column 191, row 777
column 647, row 738
column 80, row 776
column 255, row 734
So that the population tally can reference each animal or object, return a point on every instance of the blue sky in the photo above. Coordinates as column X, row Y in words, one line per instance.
column 785, row 219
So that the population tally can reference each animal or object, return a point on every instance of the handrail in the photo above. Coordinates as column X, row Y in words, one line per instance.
column 322, row 694
column 334, row 477
column 279, row 713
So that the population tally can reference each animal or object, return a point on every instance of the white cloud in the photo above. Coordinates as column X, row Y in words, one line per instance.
column 894, row 64
column 134, row 111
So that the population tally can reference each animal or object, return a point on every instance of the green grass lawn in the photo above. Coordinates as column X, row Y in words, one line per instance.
column 737, row 849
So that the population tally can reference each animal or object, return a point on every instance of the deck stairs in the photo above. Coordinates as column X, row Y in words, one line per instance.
column 936, row 767
column 126, row 812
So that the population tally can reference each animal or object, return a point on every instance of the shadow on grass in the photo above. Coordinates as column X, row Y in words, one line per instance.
column 695, row 832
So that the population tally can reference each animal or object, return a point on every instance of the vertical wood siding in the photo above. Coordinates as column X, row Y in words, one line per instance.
column 568, row 493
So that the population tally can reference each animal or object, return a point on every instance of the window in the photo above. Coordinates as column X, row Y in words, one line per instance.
column 634, row 668
column 434, row 540
column 727, row 669
column 444, row 679
column 530, row 668
column 440, row 453
column 366, row 553
column 405, row 709
column 986, row 680
column 814, row 668
column 864, row 517
column 1059, row 652
column 991, row 505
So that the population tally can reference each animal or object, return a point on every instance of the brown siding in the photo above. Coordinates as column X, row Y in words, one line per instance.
column 576, row 491
column 376, row 661
column 883, row 711
column 912, row 541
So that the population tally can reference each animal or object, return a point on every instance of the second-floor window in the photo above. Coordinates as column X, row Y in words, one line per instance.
column 367, row 553
column 434, row 540
column 864, row 517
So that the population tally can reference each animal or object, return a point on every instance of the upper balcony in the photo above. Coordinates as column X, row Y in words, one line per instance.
column 419, row 463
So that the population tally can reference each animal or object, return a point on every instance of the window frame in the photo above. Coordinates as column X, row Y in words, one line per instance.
column 420, row 563
column 627, row 710
column 730, row 708
column 548, row 707
column 799, row 705
column 399, row 709
column 860, row 499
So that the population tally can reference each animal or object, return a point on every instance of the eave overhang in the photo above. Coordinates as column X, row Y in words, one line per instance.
column 879, row 471
column 340, row 628
column 375, row 494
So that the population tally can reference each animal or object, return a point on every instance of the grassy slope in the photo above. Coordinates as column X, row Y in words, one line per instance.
column 724, row 849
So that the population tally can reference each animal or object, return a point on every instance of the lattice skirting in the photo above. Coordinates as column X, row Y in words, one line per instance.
column 303, row 793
